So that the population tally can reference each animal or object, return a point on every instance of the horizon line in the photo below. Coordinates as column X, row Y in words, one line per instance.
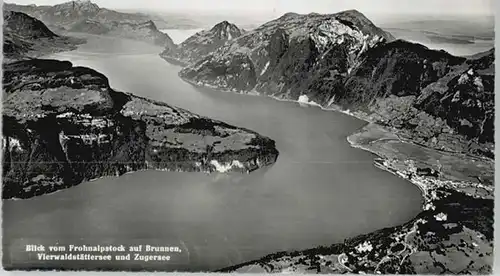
column 490, row 13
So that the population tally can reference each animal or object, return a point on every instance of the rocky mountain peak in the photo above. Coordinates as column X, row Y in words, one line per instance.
column 79, row 6
column 289, row 14
column 355, row 18
column 149, row 24
column 226, row 30
column 84, row 4
column 222, row 24
column 353, row 12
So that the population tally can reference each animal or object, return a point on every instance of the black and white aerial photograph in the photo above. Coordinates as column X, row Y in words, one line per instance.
column 263, row 136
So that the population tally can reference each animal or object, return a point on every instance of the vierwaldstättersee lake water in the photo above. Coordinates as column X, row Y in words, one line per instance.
column 319, row 192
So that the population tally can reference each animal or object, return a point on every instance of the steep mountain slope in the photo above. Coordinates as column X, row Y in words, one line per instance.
column 85, row 16
column 283, row 56
column 25, row 36
column 64, row 125
column 202, row 43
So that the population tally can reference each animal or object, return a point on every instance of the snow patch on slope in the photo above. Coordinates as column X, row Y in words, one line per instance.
column 225, row 167
column 265, row 68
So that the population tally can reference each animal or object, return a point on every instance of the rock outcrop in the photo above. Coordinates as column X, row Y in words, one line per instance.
column 25, row 36
column 87, row 17
column 64, row 125
column 201, row 44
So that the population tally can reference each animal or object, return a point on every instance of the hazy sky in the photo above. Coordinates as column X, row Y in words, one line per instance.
column 302, row 6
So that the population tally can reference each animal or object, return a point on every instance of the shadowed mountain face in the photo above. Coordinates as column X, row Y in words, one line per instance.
column 25, row 36
column 87, row 17
column 433, row 98
column 202, row 43
column 25, row 26
column 344, row 60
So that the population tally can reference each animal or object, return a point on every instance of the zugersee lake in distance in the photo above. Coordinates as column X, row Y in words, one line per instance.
column 319, row 192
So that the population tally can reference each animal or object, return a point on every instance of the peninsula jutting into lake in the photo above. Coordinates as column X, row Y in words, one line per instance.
column 294, row 141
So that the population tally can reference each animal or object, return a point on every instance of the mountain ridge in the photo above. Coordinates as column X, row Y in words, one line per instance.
column 86, row 16
column 25, row 36
column 65, row 12
column 200, row 44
